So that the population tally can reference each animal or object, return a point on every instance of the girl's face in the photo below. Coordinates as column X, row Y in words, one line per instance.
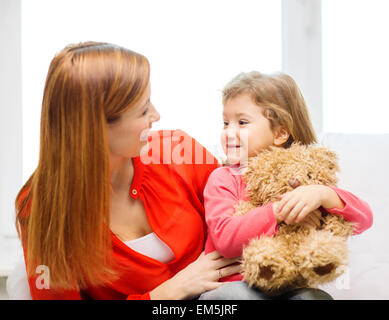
column 246, row 131
column 127, row 137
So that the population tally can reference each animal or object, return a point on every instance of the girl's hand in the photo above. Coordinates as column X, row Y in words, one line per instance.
column 297, row 204
column 312, row 219
column 201, row 275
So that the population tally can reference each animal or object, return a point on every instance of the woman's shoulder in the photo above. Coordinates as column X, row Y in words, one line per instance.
column 173, row 155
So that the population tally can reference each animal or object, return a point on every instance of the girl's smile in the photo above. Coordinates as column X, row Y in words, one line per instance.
column 246, row 131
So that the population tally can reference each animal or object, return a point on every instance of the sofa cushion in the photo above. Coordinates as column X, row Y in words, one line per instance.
column 364, row 171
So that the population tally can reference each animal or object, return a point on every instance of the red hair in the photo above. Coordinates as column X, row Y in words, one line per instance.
column 63, row 208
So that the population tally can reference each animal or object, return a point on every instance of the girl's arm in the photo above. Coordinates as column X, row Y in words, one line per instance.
column 355, row 210
column 297, row 204
column 230, row 233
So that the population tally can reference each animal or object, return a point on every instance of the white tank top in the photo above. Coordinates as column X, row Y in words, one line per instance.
column 152, row 246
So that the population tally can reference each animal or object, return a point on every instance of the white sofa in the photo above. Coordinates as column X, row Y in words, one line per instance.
column 364, row 163
column 17, row 284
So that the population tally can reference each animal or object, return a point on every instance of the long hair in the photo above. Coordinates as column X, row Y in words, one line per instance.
column 62, row 211
column 281, row 99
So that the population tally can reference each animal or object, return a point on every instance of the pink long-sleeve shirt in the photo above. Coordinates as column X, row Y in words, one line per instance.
column 228, row 234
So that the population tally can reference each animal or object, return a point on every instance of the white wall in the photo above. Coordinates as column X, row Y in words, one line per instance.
column 10, row 112
column 194, row 48
column 302, row 52
column 356, row 66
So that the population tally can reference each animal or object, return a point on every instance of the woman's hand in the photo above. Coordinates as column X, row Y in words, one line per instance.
column 201, row 275
column 297, row 204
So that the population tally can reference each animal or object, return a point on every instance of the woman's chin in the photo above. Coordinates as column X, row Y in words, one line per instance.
column 144, row 148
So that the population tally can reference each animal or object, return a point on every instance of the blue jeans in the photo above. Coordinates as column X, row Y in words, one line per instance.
column 239, row 290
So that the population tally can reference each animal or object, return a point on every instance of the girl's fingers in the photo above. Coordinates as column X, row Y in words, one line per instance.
column 283, row 200
column 310, row 221
column 304, row 212
column 316, row 217
column 317, row 213
column 313, row 218
column 295, row 212
column 307, row 223
column 285, row 211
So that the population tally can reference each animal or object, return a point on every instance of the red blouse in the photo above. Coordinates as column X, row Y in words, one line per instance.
column 170, row 181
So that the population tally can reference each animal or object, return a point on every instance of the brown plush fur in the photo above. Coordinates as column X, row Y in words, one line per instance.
column 297, row 256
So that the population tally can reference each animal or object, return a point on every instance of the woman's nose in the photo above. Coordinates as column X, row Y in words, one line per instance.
column 155, row 116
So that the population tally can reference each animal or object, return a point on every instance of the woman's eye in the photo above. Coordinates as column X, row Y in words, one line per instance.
column 242, row 122
column 147, row 107
column 146, row 110
column 225, row 123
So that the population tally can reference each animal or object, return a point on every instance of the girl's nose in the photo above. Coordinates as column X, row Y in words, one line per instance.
column 231, row 132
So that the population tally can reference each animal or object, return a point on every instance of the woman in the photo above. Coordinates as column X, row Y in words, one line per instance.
column 94, row 207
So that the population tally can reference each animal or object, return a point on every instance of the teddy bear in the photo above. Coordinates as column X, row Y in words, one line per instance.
column 296, row 256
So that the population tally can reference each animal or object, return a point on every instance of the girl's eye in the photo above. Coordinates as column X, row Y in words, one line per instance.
column 243, row 122
column 145, row 112
column 225, row 123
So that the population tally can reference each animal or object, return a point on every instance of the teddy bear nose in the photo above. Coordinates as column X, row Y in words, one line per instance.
column 294, row 183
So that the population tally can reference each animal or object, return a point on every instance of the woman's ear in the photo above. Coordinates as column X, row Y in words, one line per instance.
column 280, row 136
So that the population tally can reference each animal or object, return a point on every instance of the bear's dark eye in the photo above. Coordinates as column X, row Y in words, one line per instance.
column 309, row 175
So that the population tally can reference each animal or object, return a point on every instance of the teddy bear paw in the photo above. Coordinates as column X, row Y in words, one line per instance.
column 325, row 269
column 265, row 272
column 321, row 257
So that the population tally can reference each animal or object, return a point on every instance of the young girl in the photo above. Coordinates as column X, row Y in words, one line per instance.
column 261, row 111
